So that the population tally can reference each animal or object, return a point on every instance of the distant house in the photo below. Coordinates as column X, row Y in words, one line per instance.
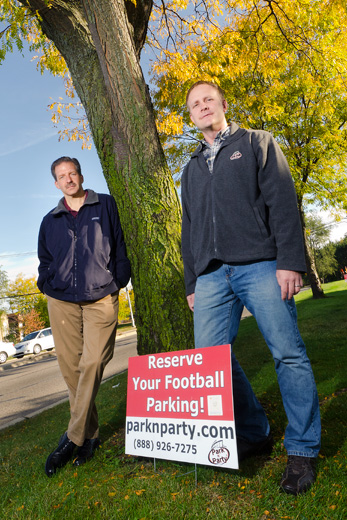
column 15, row 326
column 4, row 328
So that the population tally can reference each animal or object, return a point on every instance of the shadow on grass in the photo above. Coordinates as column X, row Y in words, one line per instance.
column 116, row 423
column 111, row 400
column 334, row 413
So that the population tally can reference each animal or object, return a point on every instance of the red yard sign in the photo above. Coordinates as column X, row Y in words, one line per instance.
column 180, row 407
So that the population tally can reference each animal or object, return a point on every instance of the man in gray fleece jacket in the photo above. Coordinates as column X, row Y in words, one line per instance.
column 242, row 246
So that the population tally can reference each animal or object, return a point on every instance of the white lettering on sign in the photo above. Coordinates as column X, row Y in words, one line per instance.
column 195, row 381
column 175, row 405
column 146, row 384
column 174, row 361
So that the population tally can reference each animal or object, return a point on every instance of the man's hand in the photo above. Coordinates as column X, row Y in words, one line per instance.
column 290, row 283
column 190, row 300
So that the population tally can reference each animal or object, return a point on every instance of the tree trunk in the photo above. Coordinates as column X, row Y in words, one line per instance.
column 101, row 51
column 312, row 274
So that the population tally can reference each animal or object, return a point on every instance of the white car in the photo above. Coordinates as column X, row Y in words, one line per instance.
column 6, row 350
column 35, row 342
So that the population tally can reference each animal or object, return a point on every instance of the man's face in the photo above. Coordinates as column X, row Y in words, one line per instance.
column 206, row 108
column 69, row 181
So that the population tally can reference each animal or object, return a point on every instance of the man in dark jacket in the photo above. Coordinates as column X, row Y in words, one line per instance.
column 83, row 264
column 242, row 246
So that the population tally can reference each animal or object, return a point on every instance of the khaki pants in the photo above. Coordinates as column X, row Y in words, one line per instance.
column 84, row 335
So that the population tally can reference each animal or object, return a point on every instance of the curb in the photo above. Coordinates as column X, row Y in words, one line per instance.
column 31, row 415
column 26, row 360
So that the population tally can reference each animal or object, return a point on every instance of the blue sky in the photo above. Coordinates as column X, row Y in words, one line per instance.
column 28, row 145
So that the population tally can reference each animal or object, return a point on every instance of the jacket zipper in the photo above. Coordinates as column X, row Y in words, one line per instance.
column 75, row 259
column 212, row 198
column 213, row 208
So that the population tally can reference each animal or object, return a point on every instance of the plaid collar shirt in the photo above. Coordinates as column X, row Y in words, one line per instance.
column 210, row 150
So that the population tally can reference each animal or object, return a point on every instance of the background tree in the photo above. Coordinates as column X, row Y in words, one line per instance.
column 3, row 291
column 3, row 288
column 101, row 43
column 23, row 298
column 32, row 321
column 40, row 307
column 326, row 262
column 283, row 67
column 341, row 257
column 22, row 294
column 317, row 236
column 318, row 233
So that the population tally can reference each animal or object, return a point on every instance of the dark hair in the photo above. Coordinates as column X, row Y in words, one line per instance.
column 65, row 159
column 202, row 82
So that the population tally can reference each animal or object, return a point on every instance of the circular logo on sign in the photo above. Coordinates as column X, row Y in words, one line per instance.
column 219, row 454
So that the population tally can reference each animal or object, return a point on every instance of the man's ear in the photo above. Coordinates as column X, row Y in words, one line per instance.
column 225, row 105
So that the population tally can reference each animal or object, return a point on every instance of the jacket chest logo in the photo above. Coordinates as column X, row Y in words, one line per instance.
column 236, row 155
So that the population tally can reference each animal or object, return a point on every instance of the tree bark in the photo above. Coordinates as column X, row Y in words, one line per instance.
column 317, row 291
column 101, row 48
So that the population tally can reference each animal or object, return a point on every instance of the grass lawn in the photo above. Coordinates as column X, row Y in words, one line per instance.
column 116, row 486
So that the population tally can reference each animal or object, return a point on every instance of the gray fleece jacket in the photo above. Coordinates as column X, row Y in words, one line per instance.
column 245, row 211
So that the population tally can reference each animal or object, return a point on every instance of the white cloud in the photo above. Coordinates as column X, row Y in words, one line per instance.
column 337, row 229
column 15, row 263
column 25, row 140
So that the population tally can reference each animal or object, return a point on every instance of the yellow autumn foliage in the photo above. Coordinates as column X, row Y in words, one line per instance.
column 282, row 65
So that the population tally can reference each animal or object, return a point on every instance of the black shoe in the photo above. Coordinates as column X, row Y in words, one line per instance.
column 299, row 475
column 246, row 449
column 59, row 457
column 86, row 451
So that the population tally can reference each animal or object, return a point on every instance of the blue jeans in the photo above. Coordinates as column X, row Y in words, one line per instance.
column 221, row 293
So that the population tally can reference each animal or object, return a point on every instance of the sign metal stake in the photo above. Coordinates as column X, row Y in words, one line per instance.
column 182, row 474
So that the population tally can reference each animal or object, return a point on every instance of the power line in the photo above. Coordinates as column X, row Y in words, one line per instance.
column 326, row 225
column 26, row 253
column 9, row 297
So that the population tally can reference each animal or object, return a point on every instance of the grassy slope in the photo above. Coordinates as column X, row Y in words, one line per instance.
column 116, row 486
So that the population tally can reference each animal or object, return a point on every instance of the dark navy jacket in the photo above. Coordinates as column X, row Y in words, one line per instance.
column 245, row 211
column 82, row 258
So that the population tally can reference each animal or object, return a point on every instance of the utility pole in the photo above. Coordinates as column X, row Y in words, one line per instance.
column 131, row 309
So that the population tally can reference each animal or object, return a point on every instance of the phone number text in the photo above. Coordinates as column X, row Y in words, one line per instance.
column 177, row 447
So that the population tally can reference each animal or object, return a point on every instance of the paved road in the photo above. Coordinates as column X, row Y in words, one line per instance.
column 34, row 383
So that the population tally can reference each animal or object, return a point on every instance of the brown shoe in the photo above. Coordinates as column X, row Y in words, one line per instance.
column 299, row 474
